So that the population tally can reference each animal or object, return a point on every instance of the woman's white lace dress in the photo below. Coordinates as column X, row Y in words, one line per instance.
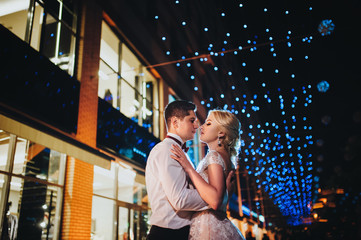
column 211, row 224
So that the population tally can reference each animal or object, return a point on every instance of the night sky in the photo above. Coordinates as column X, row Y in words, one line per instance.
column 270, row 57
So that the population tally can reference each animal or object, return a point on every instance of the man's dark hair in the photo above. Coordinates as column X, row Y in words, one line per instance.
column 178, row 108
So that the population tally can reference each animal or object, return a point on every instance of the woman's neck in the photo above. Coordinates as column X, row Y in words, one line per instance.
column 213, row 146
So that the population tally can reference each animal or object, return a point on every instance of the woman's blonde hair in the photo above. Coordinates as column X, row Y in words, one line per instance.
column 231, row 126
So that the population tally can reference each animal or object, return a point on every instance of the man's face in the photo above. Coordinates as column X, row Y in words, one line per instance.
column 187, row 127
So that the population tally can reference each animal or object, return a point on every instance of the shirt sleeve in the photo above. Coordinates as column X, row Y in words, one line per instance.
column 174, row 183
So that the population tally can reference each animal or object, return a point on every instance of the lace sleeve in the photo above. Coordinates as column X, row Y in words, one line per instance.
column 215, row 157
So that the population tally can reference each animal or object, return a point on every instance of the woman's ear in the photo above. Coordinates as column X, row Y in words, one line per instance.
column 221, row 134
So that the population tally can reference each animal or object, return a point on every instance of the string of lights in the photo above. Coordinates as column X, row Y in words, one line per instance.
column 264, row 89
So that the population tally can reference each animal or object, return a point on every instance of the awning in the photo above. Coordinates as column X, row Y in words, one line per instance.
column 63, row 144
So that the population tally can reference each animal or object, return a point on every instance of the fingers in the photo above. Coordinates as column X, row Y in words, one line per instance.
column 230, row 176
column 177, row 155
column 230, row 182
column 177, row 149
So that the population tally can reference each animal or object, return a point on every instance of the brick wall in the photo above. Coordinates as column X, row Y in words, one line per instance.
column 78, row 192
column 77, row 206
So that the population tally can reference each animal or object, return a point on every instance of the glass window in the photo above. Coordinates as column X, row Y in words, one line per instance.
column 109, row 67
column 125, row 83
column 109, row 48
column 130, row 67
column 4, row 147
column 36, row 207
column 194, row 149
column 35, row 160
column 132, row 223
column 2, row 181
column 171, row 98
column 131, row 98
column 103, row 211
column 129, row 104
column 104, row 181
column 121, row 202
column 32, row 179
column 49, row 27
column 126, row 179
column 108, row 89
column 14, row 15
column 150, row 104
column 144, row 224
column 58, row 24
column 125, row 229
column 111, row 188
column 36, row 29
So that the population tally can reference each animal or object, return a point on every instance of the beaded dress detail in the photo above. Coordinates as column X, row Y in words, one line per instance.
column 211, row 224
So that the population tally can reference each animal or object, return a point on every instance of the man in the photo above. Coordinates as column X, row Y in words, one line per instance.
column 171, row 200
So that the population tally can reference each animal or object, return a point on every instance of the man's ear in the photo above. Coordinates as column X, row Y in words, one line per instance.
column 174, row 122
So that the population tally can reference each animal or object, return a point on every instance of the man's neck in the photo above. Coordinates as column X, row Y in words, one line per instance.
column 173, row 132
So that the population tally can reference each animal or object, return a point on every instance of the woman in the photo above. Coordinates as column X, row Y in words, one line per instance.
column 221, row 134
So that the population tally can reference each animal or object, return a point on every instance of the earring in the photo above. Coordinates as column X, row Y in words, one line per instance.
column 219, row 141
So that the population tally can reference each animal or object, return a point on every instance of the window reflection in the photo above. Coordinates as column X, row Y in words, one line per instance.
column 49, row 27
column 125, row 82
column 31, row 185
column 194, row 150
column 120, row 205
column 4, row 147
column 103, row 211
column 13, row 15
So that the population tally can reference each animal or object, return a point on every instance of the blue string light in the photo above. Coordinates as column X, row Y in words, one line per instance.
column 285, row 164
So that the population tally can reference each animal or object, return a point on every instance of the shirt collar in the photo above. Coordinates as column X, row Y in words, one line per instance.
column 176, row 137
column 182, row 145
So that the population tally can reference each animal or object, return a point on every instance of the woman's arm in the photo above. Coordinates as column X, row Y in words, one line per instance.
column 211, row 192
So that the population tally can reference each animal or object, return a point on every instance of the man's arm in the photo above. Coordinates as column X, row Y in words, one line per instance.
column 173, row 179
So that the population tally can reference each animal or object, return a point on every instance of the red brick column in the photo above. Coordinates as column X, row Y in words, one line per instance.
column 77, row 208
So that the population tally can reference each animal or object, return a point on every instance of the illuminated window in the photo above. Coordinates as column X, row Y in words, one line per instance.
column 125, row 83
column 49, row 28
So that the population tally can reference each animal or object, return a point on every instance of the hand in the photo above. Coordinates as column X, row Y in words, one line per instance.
column 231, row 183
column 180, row 157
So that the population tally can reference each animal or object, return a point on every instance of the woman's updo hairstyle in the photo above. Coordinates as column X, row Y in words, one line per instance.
column 231, row 126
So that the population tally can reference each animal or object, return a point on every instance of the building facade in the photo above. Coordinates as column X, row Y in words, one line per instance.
column 81, row 107
column 81, row 110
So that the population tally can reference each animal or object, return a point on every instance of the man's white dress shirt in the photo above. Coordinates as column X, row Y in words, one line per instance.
column 171, row 199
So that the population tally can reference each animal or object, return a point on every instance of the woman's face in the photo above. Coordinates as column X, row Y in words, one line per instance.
column 209, row 130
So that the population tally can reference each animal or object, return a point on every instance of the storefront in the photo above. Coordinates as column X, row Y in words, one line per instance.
column 120, row 206
column 32, row 175
column 41, row 116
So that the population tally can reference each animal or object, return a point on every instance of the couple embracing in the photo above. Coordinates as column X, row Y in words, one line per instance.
column 189, row 203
